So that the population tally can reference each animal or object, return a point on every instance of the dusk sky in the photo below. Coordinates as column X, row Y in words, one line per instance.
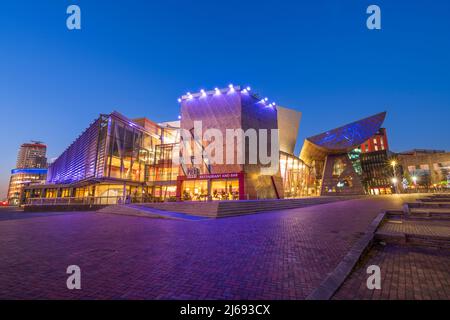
column 138, row 57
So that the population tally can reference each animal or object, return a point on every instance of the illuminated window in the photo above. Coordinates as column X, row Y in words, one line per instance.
column 338, row 167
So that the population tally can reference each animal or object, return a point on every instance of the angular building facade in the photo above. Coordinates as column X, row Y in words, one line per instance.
column 235, row 109
column 335, row 156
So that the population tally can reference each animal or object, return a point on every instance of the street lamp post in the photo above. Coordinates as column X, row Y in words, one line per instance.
column 394, row 179
column 414, row 178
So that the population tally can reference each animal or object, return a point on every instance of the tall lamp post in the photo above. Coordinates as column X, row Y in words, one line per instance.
column 414, row 178
column 394, row 179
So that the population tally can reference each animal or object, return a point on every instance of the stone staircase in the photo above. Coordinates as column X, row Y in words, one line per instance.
column 433, row 207
column 220, row 209
column 142, row 211
column 421, row 223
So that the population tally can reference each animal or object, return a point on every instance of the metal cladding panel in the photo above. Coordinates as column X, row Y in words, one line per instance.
column 79, row 160
column 288, row 124
column 341, row 140
column 234, row 110
column 223, row 111
column 348, row 137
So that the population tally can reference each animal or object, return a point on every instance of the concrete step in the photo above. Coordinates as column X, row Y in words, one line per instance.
column 400, row 238
column 235, row 208
column 136, row 210
column 445, row 205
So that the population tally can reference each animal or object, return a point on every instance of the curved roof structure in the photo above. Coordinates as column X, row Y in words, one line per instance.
column 342, row 139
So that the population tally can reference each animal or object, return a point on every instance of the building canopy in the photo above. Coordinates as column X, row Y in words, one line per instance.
column 342, row 139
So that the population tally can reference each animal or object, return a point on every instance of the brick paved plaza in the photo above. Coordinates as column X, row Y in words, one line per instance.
column 412, row 273
column 274, row 255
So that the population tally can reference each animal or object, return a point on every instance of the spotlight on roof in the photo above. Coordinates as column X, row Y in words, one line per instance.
column 179, row 100
column 203, row 93
column 217, row 90
column 248, row 89
column 179, row 117
column 190, row 96
column 266, row 99
column 231, row 87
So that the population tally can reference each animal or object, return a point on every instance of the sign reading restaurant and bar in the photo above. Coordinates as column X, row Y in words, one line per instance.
column 214, row 176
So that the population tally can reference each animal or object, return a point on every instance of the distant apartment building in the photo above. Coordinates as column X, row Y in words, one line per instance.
column 31, row 169
column 426, row 168
column 32, row 155
column 379, row 142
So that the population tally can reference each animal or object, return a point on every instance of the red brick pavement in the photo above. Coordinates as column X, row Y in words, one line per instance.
column 407, row 273
column 275, row 255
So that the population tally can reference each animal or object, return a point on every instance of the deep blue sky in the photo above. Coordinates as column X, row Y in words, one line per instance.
column 137, row 57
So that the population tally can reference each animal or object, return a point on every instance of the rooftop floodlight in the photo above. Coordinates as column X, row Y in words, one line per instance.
column 217, row 90
column 231, row 87
column 179, row 100
column 248, row 89
column 244, row 91
column 266, row 99
column 179, row 117
column 189, row 95
column 203, row 93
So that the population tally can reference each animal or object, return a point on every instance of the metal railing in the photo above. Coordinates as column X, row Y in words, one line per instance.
column 106, row 200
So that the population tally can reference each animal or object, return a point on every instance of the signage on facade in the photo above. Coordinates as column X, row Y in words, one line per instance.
column 193, row 173
column 214, row 176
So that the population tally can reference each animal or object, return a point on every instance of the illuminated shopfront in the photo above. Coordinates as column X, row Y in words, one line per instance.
column 227, row 186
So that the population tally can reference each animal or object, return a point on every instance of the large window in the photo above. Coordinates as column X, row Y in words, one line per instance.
column 225, row 189
column 130, row 152
column 196, row 190
column 298, row 180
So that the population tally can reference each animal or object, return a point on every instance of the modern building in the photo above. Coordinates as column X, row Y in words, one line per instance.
column 335, row 155
column 424, row 169
column 31, row 169
column 118, row 159
column 115, row 158
column 376, row 163
column 238, row 109
column 32, row 155
column 378, row 142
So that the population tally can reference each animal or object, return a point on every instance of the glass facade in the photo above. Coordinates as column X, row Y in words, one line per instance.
column 21, row 178
column 115, row 160
column 298, row 178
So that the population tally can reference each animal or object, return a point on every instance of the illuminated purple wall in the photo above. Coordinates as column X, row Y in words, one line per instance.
column 81, row 160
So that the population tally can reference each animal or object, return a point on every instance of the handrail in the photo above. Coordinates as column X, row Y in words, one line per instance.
column 103, row 200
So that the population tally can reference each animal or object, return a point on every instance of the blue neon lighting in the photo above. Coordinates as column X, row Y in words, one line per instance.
column 29, row 171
